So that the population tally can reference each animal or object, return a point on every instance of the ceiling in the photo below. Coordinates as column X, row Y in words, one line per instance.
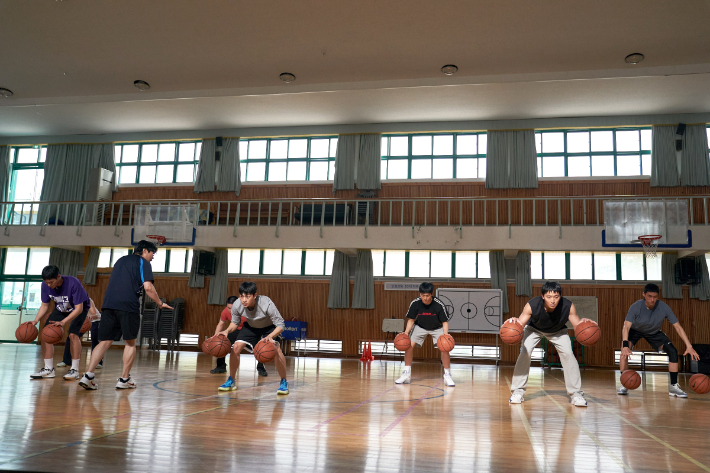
column 215, row 64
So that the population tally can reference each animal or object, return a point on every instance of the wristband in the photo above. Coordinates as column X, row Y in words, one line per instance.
column 625, row 344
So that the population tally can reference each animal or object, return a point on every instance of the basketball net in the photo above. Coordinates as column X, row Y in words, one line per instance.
column 650, row 244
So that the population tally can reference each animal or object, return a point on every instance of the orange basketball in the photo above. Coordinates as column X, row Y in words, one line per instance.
column 511, row 332
column 26, row 332
column 402, row 342
column 52, row 333
column 86, row 326
column 218, row 346
column 587, row 333
column 445, row 343
column 630, row 379
column 700, row 383
column 265, row 351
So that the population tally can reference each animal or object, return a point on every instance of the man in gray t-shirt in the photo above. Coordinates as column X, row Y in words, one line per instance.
column 644, row 320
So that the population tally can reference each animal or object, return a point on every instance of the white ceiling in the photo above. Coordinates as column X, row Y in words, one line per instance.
column 215, row 64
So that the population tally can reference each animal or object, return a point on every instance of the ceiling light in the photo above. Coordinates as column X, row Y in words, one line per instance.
column 287, row 77
column 449, row 69
column 6, row 92
column 634, row 58
column 141, row 85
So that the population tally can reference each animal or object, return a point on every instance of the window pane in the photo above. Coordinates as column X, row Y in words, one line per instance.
column 128, row 175
column 166, row 152
column 165, row 173
column 421, row 145
column 298, row 148
column 28, row 185
column 185, row 173
column 250, row 261
column 277, row 171
column 466, row 168
column 319, row 171
column 553, row 142
column 378, row 262
column 421, row 169
column 399, row 146
column 579, row 166
column 177, row 260
column 118, row 253
column 292, row 262
column 297, row 171
column 319, row 148
column 233, row 259
column 653, row 268
column 396, row 169
column 441, row 264
column 602, row 165
column 105, row 258
column 578, row 142
column 42, row 154
column 605, row 266
column 272, row 262
column 243, row 171
column 117, row 153
column 580, row 265
column 646, row 139
column 257, row 149
column 329, row 256
column 646, row 164
column 39, row 258
column 539, row 166
column 256, row 171
column 147, row 175
column 198, row 150
column 538, row 142
column 130, row 154
column 149, row 153
column 315, row 260
column 482, row 146
column 418, row 264
column 159, row 259
column 444, row 145
column 333, row 147
column 465, row 264
column 628, row 166
column 481, row 168
column 383, row 146
column 279, row 149
column 632, row 266
column 536, row 264
column 243, row 150
column 554, row 265
column 15, row 261
column 331, row 170
column 27, row 155
column 187, row 152
column 553, row 166
column 443, row 168
column 627, row 140
column 466, row 144
column 602, row 140
column 383, row 169
column 394, row 263
column 484, row 265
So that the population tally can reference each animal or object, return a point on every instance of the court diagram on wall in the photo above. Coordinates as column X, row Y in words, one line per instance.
column 472, row 310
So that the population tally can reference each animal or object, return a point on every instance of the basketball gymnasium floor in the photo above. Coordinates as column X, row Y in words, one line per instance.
column 341, row 415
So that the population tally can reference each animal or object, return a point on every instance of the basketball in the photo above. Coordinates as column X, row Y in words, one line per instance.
column 445, row 343
column 630, row 379
column 265, row 351
column 218, row 346
column 700, row 383
column 511, row 332
column 587, row 333
column 26, row 332
column 402, row 342
column 52, row 333
column 86, row 326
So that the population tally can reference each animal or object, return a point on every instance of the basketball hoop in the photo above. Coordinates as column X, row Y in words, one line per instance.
column 650, row 244
column 157, row 239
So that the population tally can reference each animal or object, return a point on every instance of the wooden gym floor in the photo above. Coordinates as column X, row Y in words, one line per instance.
column 341, row 415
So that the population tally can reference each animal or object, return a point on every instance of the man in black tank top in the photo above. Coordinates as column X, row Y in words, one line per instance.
column 547, row 316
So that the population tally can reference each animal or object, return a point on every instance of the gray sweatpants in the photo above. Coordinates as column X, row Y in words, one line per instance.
column 562, row 342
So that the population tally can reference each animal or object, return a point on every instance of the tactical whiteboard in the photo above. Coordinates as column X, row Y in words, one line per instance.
column 472, row 310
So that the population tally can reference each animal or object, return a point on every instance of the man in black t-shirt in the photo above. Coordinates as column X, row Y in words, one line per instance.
column 427, row 316
column 120, row 312
column 547, row 316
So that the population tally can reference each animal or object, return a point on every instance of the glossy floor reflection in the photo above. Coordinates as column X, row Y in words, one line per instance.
column 341, row 415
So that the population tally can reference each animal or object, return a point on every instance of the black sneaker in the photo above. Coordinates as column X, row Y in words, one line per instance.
column 218, row 370
column 262, row 371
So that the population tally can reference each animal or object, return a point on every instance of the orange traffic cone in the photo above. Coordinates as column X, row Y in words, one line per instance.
column 369, row 351
column 363, row 358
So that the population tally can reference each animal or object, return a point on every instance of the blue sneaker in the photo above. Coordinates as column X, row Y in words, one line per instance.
column 230, row 385
column 283, row 387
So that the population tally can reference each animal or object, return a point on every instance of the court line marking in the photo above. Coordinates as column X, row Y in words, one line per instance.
column 538, row 449
column 409, row 409
column 326, row 422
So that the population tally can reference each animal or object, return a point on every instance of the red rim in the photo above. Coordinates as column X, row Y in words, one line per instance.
column 649, row 238
column 161, row 239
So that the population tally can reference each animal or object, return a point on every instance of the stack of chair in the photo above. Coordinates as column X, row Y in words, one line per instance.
column 171, row 323
column 149, row 322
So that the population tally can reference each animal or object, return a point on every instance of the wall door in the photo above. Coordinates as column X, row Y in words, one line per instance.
column 20, row 303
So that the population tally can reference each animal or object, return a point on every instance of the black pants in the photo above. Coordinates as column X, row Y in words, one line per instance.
column 94, row 342
column 221, row 362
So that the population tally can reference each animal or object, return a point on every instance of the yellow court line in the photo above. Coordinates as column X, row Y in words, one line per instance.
column 537, row 448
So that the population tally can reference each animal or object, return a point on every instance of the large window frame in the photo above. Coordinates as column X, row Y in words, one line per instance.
column 144, row 161
column 617, row 255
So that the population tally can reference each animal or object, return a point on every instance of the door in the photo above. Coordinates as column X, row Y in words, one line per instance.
column 20, row 303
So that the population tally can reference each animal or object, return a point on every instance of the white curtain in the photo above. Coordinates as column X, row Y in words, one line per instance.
column 499, row 279
column 511, row 161
column 701, row 291
column 670, row 289
column 664, row 162
column 69, row 262
column 523, row 281
column 229, row 178
column 218, row 283
column 346, row 158
column 369, row 164
column 339, row 289
column 364, row 290
column 204, row 182
column 92, row 265
column 695, row 165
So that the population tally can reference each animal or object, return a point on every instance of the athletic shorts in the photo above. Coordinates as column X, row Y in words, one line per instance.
column 75, row 326
column 656, row 340
column 115, row 323
column 251, row 336
column 419, row 334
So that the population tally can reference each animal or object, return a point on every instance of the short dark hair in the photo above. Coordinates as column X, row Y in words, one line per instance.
column 551, row 286
column 50, row 272
column 144, row 245
column 231, row 299
column 650, row 287
column 426, row 288
column 247, row 287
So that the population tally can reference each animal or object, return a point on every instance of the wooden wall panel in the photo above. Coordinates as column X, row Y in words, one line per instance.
column 306, row 300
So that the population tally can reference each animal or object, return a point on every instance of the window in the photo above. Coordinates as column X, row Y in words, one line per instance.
column 27, row 175
column 327, row 346
column 580, row 153
column 472, row 264
column 605, row 266
column 25, row 261
column 109, row 256
column 288, row 159
column 294, row 262
column 580, row 265
column 434, row 156
column 179, row 260
column 157, row 163
column 632, row 267
column 554, row 266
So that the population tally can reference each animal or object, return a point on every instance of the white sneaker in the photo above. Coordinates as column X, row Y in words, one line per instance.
column 61, row 364
column 516, row 398
column 43, row 373
column 129, row 384
column 622, row 391
column 72, row 374
column 406, row 378
column 675, row 391
column 87, row 383
column 448, row 380
column 578, row 400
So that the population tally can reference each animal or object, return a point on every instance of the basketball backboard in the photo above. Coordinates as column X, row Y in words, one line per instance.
column 177, row 223
column 626, row 220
